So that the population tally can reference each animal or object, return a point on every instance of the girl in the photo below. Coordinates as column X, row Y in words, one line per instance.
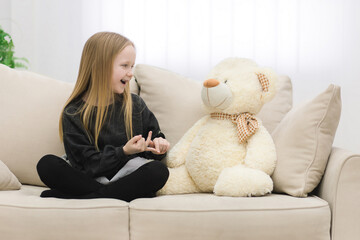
column 108, row 133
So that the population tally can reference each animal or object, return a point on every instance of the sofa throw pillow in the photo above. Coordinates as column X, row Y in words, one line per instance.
column 30, row 106
column 303, row 141
column 8, row 181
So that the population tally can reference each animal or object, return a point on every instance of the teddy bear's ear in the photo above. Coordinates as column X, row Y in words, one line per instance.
column 268, row 81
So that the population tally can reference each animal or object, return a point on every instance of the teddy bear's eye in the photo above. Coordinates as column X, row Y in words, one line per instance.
column 225, row 81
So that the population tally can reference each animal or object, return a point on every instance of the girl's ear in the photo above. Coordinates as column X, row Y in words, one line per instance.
column 268, row 81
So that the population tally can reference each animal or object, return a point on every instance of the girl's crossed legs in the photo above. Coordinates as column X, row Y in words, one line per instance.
column 67, row 182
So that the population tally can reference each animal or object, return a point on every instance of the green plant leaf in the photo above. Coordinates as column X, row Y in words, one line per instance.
column 7, row 52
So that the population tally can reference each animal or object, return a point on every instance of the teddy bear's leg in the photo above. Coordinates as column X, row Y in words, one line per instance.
column 241, row 181
column 179, row 182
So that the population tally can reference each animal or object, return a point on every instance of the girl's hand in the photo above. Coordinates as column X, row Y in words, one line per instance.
column 138, row 144
column 160, row 145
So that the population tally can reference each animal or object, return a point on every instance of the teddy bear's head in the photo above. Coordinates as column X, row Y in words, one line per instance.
column 238, row 85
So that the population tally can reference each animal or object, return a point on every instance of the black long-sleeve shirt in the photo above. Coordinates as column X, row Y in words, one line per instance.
column 110, row 157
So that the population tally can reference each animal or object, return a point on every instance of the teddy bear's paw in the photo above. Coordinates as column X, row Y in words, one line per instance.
column 179, row 182
column 240, row 181
column 174, row 160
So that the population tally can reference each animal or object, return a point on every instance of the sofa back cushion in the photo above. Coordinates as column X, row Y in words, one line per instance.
column 176, row 100
column 31, row 104
column 30, row 108
column 274, row 111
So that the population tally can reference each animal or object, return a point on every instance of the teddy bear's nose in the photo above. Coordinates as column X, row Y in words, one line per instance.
column 211, row 83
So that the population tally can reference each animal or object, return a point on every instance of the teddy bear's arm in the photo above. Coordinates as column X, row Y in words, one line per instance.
column 261, row 152
column 177, row 154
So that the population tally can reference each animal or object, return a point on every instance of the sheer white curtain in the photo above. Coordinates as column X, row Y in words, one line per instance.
column 315, row 42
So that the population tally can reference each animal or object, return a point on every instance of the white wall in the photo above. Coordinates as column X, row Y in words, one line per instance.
column 315, row 42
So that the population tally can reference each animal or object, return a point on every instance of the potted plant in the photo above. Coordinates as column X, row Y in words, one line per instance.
column 7, row 52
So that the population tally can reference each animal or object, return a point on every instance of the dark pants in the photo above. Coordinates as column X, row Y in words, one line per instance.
column 67, row 182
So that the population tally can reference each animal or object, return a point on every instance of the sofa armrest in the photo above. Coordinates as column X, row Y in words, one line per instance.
column 340, row 187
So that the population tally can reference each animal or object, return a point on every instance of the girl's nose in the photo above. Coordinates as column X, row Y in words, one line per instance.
column 211, row 83
column 130, row 73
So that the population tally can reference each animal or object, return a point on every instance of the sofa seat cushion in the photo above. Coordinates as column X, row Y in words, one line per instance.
column 206, row 216
column 24, row 215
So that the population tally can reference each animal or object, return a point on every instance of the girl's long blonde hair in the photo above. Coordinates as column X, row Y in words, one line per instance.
column 94, row 83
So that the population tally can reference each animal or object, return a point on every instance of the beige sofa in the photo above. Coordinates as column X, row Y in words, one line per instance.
column 317, row 186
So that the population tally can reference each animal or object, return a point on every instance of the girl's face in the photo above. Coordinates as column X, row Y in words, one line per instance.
column 122, row 69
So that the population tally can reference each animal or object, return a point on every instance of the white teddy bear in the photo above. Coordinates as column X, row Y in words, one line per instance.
column 229, row 151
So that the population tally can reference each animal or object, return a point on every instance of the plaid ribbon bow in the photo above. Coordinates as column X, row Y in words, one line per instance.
column 246, row 123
